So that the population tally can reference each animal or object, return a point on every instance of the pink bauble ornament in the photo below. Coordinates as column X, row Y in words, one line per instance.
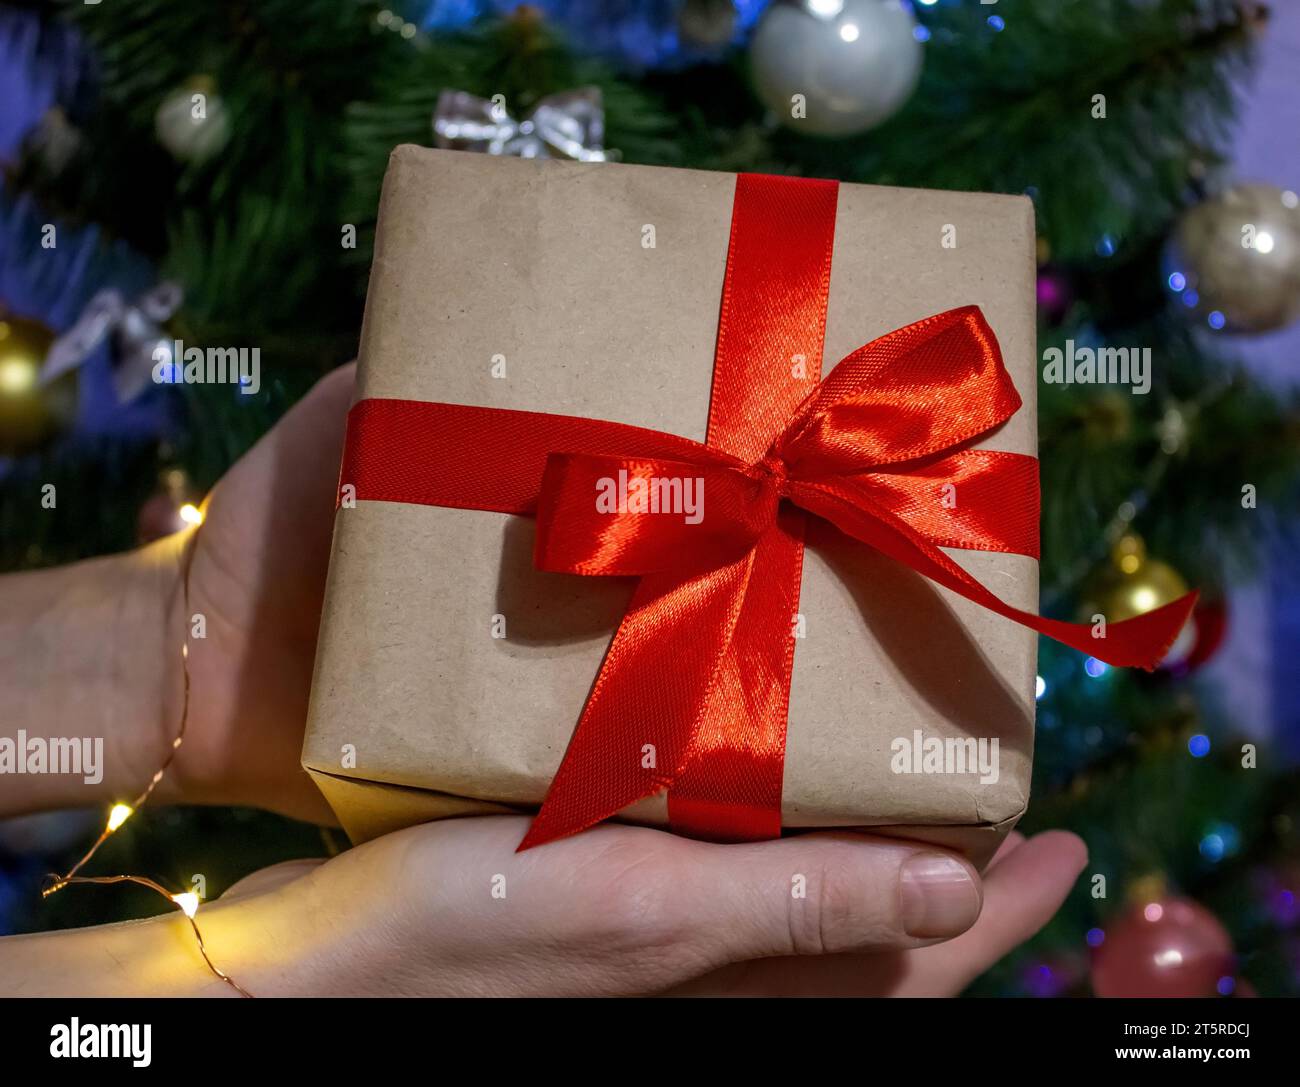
column 1199, row 640
column 1171, row 947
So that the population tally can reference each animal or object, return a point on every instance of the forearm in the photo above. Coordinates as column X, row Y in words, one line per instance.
column 263, row 943
column 85, row 661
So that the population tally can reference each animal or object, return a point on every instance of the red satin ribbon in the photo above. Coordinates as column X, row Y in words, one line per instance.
column 693, row 694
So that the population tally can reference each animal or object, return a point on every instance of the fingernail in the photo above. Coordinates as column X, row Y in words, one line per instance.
column 939, row 896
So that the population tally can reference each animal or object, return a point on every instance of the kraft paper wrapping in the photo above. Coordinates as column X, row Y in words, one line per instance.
column 419, row 713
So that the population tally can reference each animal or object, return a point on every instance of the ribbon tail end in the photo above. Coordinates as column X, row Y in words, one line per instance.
column 550, row 824
column 540, row 833
column 1147, row 639
column 543, row 830
column 1180, row 612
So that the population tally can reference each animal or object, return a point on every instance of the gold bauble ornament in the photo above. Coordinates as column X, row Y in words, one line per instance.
column 192, row 121
column 1240, row 253
column 1132, row 585
column 29, row 411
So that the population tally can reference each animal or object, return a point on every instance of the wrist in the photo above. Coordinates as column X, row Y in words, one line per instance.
column 262, row 943
column 81, row 650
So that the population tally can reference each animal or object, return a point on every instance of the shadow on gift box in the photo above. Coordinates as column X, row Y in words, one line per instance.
column 930, row 650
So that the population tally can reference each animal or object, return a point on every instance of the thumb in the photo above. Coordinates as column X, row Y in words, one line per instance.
column 823, row 893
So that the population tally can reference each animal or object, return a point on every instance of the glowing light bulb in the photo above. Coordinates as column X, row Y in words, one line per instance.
column 17, row 375
column 1144, row 599
column 188, row 901
column 118, row 815
column 849, row 32
column 1264, row 241
column 191, row 514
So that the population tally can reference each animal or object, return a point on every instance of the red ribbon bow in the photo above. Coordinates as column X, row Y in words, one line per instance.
column 693, row 693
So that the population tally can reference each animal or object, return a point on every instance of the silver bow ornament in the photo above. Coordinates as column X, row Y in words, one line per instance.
column 567, row 125
column 134, row 331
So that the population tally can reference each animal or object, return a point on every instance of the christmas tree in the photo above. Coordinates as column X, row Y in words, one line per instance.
column 216, row 169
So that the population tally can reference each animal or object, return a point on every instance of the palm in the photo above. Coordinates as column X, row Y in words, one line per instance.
column 257, row 577
column 620, row 909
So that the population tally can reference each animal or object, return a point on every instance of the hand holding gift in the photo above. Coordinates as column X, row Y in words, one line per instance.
column 450, row 908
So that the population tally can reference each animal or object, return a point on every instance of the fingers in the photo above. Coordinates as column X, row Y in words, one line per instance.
column 451, row 908
column 620, row 910
column 819, row 894
column 1023, row 888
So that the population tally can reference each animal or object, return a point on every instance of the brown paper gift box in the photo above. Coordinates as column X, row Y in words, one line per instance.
column 419, row 713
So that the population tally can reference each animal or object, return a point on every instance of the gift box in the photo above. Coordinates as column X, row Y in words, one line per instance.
column 451, row 670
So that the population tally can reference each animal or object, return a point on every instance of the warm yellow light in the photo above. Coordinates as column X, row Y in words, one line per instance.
column 1144, row 600
column 191, row 514
column 17, row 375
column 1129, row 564
column 119, row 814
column 188, row 901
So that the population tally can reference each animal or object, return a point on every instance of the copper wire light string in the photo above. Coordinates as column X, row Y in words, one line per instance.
column 71, row 876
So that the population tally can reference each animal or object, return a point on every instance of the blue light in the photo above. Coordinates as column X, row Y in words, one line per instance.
column 1226, row 986
column 1227, row 835
column 997, row 22
column 1177, row 281
column 1096, row 937
column 1094, row 667
column 1105, row 246
column 1199, row 745
column 921, row 33
column 1212, row 848
column 1190, row 297
column 1040, row 687
column 1216, row 320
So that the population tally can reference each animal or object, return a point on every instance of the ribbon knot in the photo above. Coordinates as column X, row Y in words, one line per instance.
column 772, row 470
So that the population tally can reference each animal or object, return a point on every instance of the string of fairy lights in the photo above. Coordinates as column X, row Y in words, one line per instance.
column 185, row 901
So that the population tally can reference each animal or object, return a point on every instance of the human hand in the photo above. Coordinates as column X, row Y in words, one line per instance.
column 450, row 909
column 257, row 576
column 93, row 648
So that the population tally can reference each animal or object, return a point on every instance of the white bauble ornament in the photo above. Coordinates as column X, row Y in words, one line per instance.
column 835, row 67
column 1240, row 252
column 192, row 122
